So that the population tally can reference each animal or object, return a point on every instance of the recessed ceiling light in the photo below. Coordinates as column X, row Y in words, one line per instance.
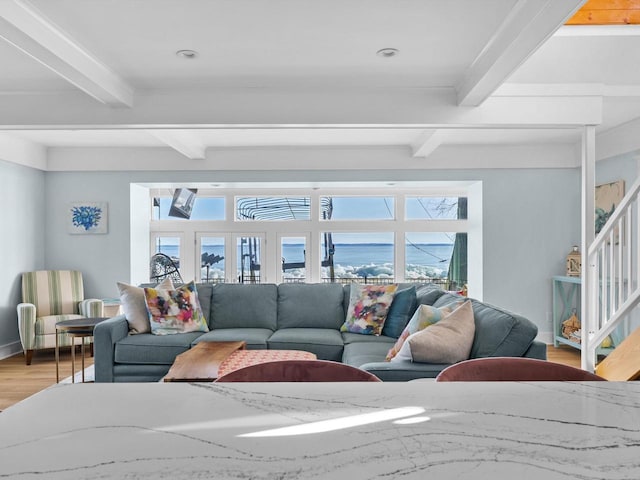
column 387, row 52
column 187, row 53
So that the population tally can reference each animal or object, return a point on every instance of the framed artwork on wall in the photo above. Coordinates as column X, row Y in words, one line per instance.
column 608, row 197
column 87, row 218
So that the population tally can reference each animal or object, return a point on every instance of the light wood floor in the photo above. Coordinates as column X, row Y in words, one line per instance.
column 18, row 381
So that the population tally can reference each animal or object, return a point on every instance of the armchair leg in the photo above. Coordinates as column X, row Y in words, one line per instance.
column 28, row 356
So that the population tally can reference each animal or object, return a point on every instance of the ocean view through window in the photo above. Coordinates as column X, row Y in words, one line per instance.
column 303, row 236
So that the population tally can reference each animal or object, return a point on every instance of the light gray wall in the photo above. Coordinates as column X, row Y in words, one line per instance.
column 531, row 219
column 22, row 234
column 623, row 167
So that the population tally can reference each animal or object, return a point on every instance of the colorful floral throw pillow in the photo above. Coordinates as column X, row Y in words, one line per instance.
column 368, row 308
column 175, row 311
column 424, row 316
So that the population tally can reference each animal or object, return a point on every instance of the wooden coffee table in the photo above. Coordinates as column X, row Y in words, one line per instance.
column 201, row 363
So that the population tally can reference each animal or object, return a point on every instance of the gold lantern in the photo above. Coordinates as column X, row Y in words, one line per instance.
column 574, row 262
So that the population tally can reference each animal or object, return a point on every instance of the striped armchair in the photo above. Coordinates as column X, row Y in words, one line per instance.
column 50, row 296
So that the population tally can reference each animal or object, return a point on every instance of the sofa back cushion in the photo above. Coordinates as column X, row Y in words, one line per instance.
column 303, row 305
column 428, row 294
column 499, row 333
column 248, row 306
column 204, row 295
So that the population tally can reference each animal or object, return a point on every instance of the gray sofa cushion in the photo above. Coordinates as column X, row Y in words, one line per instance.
column 403, row 371
column 325, row 343
column 370, row 357
column 204, row 297
column 348, row 337
column 146, row 348
column 359, row 353
column 244, row 306
column 256, row 338
column 310, row 306
column 428, row 294
column 499, row 333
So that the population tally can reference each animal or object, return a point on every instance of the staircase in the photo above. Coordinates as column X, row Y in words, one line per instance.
column 612, row 286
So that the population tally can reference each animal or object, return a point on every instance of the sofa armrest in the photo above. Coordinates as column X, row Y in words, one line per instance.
column 92, row 307
column 27, row 325
column 105, row 336
column 537, row 350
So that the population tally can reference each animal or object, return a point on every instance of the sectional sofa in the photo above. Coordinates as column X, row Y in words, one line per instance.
column 302, row 317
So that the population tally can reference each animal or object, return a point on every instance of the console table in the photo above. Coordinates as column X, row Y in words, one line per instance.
column 412, row 430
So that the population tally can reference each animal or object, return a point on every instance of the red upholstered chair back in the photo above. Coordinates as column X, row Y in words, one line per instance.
column 299, row 371
column 513, row 369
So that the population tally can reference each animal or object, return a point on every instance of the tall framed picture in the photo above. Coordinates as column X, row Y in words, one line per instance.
column 608, row 197
column 87, row 218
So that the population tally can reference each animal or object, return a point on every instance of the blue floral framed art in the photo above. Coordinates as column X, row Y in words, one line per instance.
column 87, row 217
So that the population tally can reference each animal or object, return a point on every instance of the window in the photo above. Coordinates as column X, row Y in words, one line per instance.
column 421, row 233
column 249, row 259
column 165, row 258
column 170, row 246
column 436, row 257
column 212, row 259
column 204, row 208
column 357, row 208
column 294, row 255
column 273, row 208
column 436, row 208
column 363, row 257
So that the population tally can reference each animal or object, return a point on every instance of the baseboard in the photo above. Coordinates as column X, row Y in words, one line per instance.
column 10, row 349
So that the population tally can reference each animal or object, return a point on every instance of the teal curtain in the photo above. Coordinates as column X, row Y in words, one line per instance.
column 457, row 274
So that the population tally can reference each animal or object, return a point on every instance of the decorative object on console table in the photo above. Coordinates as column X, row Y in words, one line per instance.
column 87, row 217
column 574, row 262
column 570, row 326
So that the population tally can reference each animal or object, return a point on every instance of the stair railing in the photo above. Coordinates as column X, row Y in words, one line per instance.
column 613, row 264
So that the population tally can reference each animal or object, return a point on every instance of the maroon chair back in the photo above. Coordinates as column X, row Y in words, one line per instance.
column 513, row 369
column 299, row 371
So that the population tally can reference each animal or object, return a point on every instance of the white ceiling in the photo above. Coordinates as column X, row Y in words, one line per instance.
column 271, row 73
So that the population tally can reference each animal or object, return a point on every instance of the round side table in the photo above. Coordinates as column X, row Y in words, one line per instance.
column 78, row 327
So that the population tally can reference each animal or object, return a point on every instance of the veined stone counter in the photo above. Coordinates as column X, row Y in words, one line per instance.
column 414, row 430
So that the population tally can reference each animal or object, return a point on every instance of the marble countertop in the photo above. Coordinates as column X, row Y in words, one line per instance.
column 414, row 430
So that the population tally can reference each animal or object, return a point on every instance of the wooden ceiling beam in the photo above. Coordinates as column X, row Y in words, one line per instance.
column 607, row 12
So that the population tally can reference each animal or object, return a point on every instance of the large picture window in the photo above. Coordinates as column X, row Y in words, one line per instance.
column 318, row 235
